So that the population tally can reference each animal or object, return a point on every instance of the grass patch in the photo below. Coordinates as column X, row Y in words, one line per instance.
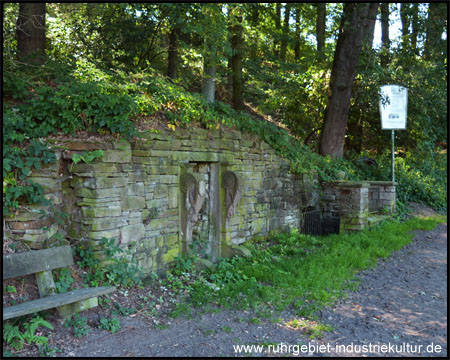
column 302, row 272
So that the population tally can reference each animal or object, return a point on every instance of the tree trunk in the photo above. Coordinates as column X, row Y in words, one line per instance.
column 435, row 25
column 237, row 44
column 320, row 26
column 173, row 54
column 277, row 29
column 230, row 75
column 254, row 21
column 209, row 81
column 385, row 42
column 415, row 26
column 297, row 33
column 355, row 22
column 284, row 39
column 30, row 32
column 404, row 16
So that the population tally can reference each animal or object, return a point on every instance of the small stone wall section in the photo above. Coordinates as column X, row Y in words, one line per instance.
column 347, row 204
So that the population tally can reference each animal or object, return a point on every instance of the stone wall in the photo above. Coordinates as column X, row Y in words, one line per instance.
column 352, row 206
column 166, row 193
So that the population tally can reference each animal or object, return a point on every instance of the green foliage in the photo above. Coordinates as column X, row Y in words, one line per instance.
column 63, row 280
column 16, row 338
column 112, row 325
column 299, row 271
column 117, row 269
column 9, row 289
column 88, row 156
column 79, row 325
column 122, row 310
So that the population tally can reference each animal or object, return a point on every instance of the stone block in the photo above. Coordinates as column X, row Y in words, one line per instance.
column 98, row 193
column 109, row 234
column 161, row 191
column 97, row 167
column 105, row 211
column 171, row 240
column 136, row 189
column 173, row 197
column 102, row 182
column 132, row 202
column 96, row 224
column 134, row 232
column 117, row 156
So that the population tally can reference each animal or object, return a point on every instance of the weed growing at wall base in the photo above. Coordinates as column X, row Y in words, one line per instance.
column 300, row 271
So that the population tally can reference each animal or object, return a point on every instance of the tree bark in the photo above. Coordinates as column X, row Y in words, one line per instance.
column 355, row 22
column 435, row 25
column 297, row 33
column 415, row 26
column 209, row 81
column 173, row 54
column 385, row 42
column 284, row 39
column 404, row 16
column 237, row 44
column 277, row 29
column 320, row 26
column 30, row 32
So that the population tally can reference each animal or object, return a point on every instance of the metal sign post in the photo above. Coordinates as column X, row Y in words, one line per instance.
column 393, row 158
column 393, row 112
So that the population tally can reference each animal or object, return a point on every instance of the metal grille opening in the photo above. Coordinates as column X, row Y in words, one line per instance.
column 312, row 223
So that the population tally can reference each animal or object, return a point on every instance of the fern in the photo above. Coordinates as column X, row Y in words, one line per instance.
column 13, row 336
column 16, row 339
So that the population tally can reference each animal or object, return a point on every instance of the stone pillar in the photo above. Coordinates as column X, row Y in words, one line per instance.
column 387, row 199
column 353, row 205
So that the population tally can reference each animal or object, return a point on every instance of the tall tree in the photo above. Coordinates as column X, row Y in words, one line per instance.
column 415, row 25
column 30, row 32
column 436, row 22
column 405, row 19
column 237, row 46
column 355, row 22
column 385, row 42
column 297, row 32
column 285, row 36
column 320, row 26
column 173, row 54
column 276, row 51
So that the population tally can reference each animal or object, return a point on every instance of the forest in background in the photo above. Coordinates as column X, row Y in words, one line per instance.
column 312, row 69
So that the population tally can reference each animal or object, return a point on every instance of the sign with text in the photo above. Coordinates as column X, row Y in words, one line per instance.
column 393, row 107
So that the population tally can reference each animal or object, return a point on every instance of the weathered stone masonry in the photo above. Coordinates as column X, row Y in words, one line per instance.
column 197, row 190
column 165, row 193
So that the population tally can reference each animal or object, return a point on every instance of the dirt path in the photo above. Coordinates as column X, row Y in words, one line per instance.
column 403, row 302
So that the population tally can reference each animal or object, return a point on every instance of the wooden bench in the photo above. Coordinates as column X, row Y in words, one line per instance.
column 41, row 263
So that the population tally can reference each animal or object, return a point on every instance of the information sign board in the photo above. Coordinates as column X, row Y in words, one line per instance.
column 393, row 107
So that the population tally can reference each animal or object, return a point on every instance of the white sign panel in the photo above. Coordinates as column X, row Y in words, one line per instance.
column 393, row 107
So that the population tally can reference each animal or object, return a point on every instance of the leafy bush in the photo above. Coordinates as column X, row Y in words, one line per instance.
column 79, row 325
column 116, row 269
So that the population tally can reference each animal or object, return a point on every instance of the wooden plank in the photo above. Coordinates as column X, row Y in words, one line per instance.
column 67, row 311
column 53, row 301
column 31, row 262
column 46, row 284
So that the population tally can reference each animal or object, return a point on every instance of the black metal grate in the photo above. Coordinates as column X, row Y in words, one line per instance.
column 312, row 223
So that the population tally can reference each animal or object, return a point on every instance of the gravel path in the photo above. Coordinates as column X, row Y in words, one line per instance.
column 403, row 302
